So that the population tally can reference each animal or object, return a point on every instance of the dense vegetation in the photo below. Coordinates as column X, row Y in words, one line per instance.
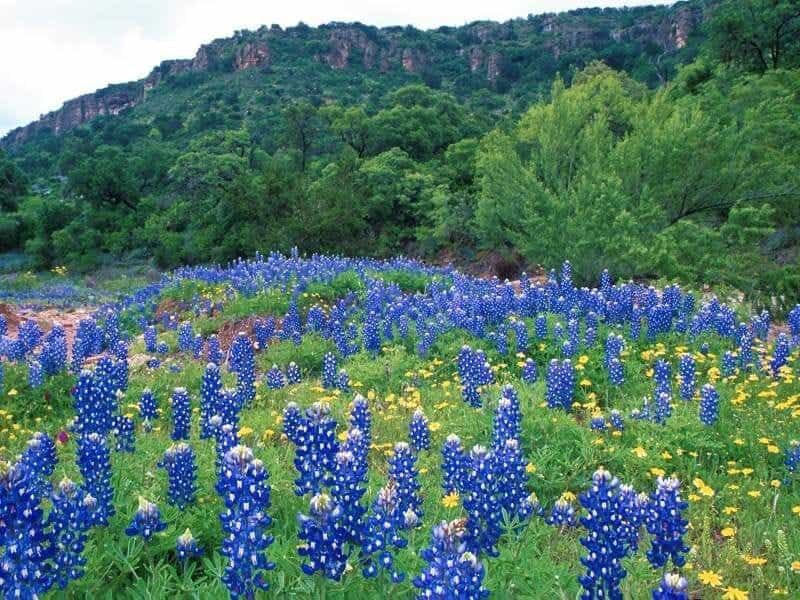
column 696, row 179
column 327, row 415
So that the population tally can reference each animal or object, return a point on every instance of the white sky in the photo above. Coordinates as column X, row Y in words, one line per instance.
column 53, row 50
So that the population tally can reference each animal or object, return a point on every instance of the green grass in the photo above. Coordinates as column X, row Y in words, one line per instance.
column 538, row 561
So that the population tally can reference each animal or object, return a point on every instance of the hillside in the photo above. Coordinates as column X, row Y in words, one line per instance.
column 660, row 142
column 352, row 62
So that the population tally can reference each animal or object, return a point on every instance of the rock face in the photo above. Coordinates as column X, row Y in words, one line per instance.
column 486, row 49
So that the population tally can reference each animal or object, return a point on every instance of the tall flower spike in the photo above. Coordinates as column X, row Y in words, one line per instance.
column 482, row 502
column 70, row 519
column 314, row 455
column 27, row 544
column 275, row 379
column 419, row 435
column 181, row 414
column 324, row 537
column 293, row 375
column 454, row 464
column 451, row 570
column 403, row 470
column 94, row 462
column 178, row 461
column 148, row 409
column 210, row 390
column 507, row 418
column 124, row 433
column 360, row 417
column 383, row 534
column 242, row 362
column 146, row 522
column 186, row 546
column 562, row 514
column 347, row 488
column 243, row 486
column 605, row 540
column 709, row 404
column 666, row 524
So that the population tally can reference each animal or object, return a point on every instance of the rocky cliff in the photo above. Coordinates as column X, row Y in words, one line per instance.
column 488, row 50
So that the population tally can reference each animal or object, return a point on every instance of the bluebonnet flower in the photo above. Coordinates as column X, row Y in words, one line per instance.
column 315, row 452
column 70, row 519
column 529, row 371
column 181, row 414
column 186, row 546
column 616, row 372
column 263, row 330
column 709, row 405
column 372, row 337
column 39, row 460
column 124, row 434
column 343, row 381
column 323, row 537
column 27, row 544
column 35, row 374
column 346, row 489
column 510, row 468
column 3, row 326
column 120, row 369
column 185, row 337
column 562, row 514
column 507, row 422
column 150, row 338
column 242, row 484
column 146, row 522
column 672, row 587
column 275, row 380
column 225, row 438
column 292, row 421
column 293, row 373
column 329, row 370
column 666, row 524
column 520, row 335
column 382, row 534
column 633, row 509
column 94, row 409
column 162, row 347
column 560, row 384
column 474, row 371
column 451, row 570
column 597, row 423
column 148, row 409
column 616, row 420
column 728, row 363
column 418, row 433
column 604, row 541
column 210, row 390
column 614, row 346
column 403, row 470
column 360, row 417
column 481, row 491
column 686, row 370
column 540, row 326
column 197, row 346
column 662, row 373
column 792, row 460
column 792, row 319
column 178, row 461
column 780, row 354
column 29, row 334
column 94, row 463
column 663, row 408
column 242, row 362
column 54, row 351
column 214, row 351
column 454, row 463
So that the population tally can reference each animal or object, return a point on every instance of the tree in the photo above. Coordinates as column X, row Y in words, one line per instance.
column 13, row 184
column 302, row 126
column 105, row 178
column 757, row 35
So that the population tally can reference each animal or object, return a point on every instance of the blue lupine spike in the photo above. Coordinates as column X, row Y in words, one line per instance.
column 181, row 414
column 146, row 521
column 244, row 489
column 179, row 463
column 186, row 546
column 418, row 433
column 666, row 524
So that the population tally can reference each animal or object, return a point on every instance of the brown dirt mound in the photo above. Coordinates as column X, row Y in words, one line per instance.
column 46, row 318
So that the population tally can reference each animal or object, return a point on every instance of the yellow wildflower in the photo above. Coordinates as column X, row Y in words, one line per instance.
column 450, row 500
column 709, row 578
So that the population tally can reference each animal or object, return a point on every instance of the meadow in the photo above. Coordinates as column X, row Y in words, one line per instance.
column 620, row 441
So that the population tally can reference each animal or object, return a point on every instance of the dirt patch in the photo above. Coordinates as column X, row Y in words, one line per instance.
column 68, row 318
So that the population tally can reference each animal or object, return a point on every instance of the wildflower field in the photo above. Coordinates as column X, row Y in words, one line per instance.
column 350, row 428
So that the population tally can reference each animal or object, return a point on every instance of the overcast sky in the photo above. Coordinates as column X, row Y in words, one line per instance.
column 53, row 50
